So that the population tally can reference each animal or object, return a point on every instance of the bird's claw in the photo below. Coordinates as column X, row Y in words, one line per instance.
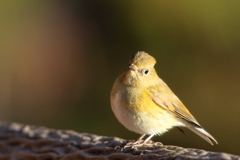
column 132, row 145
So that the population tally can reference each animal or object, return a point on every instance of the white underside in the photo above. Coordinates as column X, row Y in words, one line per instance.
column 142, row 123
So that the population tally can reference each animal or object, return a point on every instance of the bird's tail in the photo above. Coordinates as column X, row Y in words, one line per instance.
column 204, row 134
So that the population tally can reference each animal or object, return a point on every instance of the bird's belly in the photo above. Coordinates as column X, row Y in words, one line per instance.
column 141, row 121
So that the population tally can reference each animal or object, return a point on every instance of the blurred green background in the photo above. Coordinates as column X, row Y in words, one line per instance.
column 59, row 59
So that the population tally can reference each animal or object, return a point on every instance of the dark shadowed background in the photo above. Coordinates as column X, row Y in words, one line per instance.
column 59, row 59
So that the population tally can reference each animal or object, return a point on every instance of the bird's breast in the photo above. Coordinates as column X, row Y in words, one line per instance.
column 135, row 110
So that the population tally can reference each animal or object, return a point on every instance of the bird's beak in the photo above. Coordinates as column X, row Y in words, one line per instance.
column 132, row 67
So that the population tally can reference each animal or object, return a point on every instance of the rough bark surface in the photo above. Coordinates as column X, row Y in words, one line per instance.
column 21, row 142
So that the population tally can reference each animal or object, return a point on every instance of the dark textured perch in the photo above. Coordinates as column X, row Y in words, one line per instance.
column 31, row 142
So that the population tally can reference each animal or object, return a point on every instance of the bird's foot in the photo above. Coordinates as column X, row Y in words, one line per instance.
column 148, row 143
column 141, row 143
column 131, row 144
column 158, row 144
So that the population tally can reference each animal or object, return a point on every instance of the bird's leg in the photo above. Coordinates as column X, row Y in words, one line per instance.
column 148, row 138
column 139, row 139
column 139, row 142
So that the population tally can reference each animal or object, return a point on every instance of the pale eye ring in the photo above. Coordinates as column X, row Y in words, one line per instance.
column 146, row 71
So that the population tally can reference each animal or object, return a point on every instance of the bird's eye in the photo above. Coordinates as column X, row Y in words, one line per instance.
column 146, row 72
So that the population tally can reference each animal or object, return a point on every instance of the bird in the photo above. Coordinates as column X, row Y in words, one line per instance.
column 143, row 103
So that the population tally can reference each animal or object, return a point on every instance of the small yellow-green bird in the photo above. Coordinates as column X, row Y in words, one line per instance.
column 143, row 103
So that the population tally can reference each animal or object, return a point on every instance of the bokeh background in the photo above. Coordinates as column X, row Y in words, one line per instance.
column 59, row 59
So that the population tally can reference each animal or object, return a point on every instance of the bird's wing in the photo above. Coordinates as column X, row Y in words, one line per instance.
column 166, row 99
